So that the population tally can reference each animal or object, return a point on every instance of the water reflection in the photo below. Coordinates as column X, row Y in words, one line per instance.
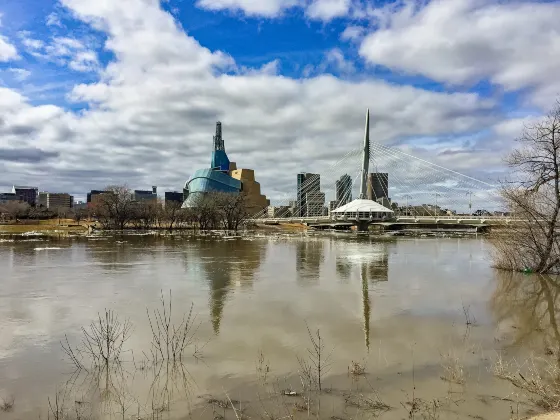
column 531, row 304
column 373, row 265
column 365, row 304
column 309, row 257
column 227, row 264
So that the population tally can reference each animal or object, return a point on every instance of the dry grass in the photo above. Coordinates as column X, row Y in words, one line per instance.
column 363, row 402
column 452, row 369
column 43, row 226
column 538, row 378
column 356, row 368
column 7, row 404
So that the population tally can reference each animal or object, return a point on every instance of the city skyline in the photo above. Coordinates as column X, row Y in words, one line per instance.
column 290, row 80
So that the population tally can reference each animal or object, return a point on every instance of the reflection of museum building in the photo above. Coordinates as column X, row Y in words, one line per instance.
column 223, row 176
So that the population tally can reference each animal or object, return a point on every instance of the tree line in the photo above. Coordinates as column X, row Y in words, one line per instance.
column 117, row 209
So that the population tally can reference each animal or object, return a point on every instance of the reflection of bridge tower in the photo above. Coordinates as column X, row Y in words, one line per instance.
column 365, row 303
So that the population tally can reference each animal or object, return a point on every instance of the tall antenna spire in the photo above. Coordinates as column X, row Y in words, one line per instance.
column 365, row 160
column 218, row 140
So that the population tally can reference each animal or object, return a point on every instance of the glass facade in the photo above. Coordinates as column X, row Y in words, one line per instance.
column 207, row 180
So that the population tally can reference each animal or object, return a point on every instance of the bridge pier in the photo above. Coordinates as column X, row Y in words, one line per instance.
column 362, row 226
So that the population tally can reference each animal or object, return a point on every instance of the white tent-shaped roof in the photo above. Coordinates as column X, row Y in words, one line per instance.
column 361, row 206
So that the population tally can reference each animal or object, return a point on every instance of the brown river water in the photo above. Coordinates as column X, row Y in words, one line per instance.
column 409, row 327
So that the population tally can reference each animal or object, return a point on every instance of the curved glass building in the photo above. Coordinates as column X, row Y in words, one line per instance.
column 223, row 176
column 206, row 180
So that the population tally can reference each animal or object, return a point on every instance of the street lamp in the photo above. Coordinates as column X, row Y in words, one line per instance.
column 469, row 193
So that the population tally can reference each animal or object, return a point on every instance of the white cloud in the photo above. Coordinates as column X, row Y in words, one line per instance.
column 8, row 51
column 151, row 115
column 267, row 8
column 328, row 9
column 64, row 51
column 20, row 74
column 53, row 20
column 30, row 43
column 336, row 57
column 352, row 33
column 513, row 44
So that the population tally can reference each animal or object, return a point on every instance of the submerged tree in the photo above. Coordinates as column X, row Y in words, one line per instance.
column 532, row 242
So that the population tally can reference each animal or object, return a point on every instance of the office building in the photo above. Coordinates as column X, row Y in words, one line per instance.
column 307, row 183
column 344, row 190
column 377, row 185
column 145, row 195
column 333, row 205
column 92, row 194
column 53, row 201
column 224, row 176
column 26, row 194
column 278, row 211
column 314, row 203
column 173, row 197
column 7, row 197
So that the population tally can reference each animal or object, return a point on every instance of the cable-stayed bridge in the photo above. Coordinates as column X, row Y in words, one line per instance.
column 407, row 190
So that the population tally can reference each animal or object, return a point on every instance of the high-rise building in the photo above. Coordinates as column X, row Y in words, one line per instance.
column 314, row 203
column 307, row 183
column 377, row 186
column 344, row 190
column 26, row 194
column 54, row 201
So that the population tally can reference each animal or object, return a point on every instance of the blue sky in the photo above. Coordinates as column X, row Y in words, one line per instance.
column 111, row 92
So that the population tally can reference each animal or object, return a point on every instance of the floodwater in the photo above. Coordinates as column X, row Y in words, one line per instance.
column 424, row 319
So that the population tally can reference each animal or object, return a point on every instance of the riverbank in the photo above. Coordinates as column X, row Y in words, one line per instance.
column 51, row 226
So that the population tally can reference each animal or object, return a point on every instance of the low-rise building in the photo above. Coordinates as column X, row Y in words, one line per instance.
column 142, row 195
column 7, row 197
column 26, row 194
column 173, row 197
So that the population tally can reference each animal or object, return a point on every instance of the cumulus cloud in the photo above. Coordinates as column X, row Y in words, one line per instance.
column 150, row 116
column 512, row 44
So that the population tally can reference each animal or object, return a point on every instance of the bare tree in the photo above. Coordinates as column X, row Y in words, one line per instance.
column 534, row 199
column 146, row 213
column 172, row 213
column 205, row 211
column 17, row 209
column 232, row 209
column 114, row 208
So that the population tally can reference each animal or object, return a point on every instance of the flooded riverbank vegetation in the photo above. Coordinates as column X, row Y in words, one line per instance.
column 106, row 365
column 533, row 242
column 318, row 326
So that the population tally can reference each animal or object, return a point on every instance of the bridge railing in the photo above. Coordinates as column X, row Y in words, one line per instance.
column 400, row 218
